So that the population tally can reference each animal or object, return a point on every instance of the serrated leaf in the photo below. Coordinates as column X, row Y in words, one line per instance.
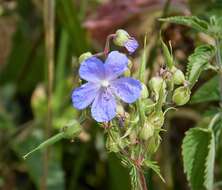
column 202, row 94
column 191, row 21
column 198, row 152
column 154, row 166
column 198, row 61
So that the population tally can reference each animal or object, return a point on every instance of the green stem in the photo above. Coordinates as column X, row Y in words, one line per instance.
column 46, row 143
column 219, row 64
column 49, row 24
column 142, row 79
column 214, row 120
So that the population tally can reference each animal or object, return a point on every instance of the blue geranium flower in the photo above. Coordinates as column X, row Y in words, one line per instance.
column 131, row 45
column 104, row 86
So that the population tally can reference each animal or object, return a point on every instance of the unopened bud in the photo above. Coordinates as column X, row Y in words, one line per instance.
column 148, row 105
column 147, row 131
column 121, row 37
column 153, row 144
column 156, row 83
column 85, row 56
column 178, row 77
column 181, row 96
column 157, row 119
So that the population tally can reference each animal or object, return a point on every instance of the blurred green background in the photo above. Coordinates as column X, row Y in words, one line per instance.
column 80, row 26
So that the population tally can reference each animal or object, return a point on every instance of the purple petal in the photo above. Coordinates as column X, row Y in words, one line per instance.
column 131, row 45
column 104, row 106
column 84, row 95
column 115, row 65
column 92, row 70
column 127, row 89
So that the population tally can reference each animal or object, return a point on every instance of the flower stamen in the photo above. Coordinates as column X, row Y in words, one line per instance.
column 104, row 83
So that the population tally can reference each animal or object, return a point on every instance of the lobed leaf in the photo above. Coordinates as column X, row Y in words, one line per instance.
column 198, row 150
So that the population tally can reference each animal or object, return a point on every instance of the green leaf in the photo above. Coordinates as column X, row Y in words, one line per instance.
column 202, row 94
column 198, row 61
column 191, row 21
column 154, row 166
column 55, row 180
column 198, row 150
column 69, row 19
column 167, row 54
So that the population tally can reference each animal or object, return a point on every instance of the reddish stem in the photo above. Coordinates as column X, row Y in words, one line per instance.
column 142, row 179
column 106, row 48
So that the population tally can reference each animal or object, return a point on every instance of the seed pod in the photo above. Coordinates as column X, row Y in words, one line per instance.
column 156, row 83
column 121, row 37
column 178, row 77
column 85, row 56
column 181, row 95
column 144, row 92
column 147, row 131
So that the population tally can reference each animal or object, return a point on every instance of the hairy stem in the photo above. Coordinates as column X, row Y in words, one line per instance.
column 49, row 17
column 142, row 180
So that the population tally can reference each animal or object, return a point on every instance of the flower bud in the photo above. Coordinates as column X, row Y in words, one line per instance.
column 156, row 83
column 148, row 105
column 72, row 129
column 144, row 92
column 85, row 56
column 147, row 131
column 178, row 77
column 157, row 119
column 181, row 95
column 127, row 73
column 121, row 37
column 153, row 144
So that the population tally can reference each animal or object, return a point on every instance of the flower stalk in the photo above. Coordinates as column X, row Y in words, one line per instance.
column 219, row 64
column 49, row 22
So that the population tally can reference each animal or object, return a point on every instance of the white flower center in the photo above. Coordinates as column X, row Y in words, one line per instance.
column 104, row 83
